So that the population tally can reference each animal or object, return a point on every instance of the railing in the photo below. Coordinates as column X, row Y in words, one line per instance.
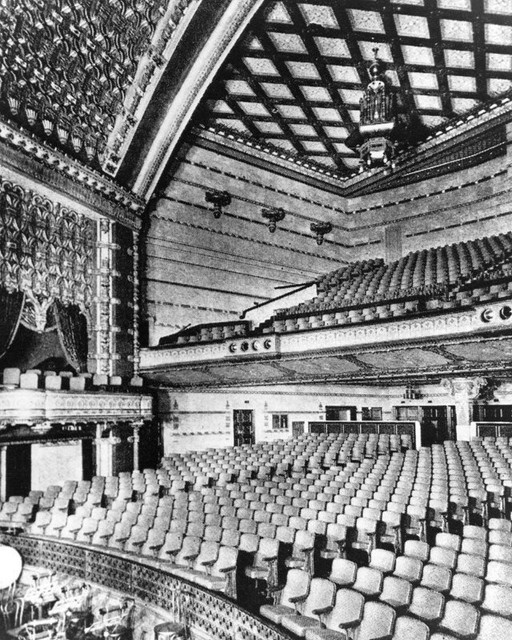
column 147, row 580
column 379, row 427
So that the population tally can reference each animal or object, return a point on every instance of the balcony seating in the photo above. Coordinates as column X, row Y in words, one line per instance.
column 32, row 379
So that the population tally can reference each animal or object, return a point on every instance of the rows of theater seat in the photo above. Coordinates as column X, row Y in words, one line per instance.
column 454, row 587
column 207, row 333
column 206, row 515
column 14, row 378
column 439, row 278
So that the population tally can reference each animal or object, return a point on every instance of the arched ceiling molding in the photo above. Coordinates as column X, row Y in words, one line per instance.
column 226, row 32
column 169, row 32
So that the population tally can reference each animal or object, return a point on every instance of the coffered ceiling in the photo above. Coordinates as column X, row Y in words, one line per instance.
column 99, row 79
column 295, row 79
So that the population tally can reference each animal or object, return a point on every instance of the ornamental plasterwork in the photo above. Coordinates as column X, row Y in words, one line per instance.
column 167, row 34
column 322, row 339
column 46, row 251
column 468, row 388
column 66, row 65
column 226, row 33
column 120, row 203
column 21, row 406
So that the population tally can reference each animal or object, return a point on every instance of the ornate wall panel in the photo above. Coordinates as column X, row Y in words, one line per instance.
column 46, row 250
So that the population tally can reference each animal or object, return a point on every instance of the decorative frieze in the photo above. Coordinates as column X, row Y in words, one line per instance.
column 22, row 406
column 337, row 338
column 28, row 155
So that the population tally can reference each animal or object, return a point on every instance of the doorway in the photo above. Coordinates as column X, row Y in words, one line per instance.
column 18, row 478
column 243, row 427
column 437, row 421
column 340, row 413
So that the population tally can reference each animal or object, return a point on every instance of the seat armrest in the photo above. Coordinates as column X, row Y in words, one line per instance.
column 276, row 588
column 295, row 599
column 208, row 563
column 229, row 569
column 191, row 557
column 321, row 610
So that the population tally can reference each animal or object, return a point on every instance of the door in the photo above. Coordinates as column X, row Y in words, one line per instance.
column 297, row 429
column 18, row 475
column 243, row 427
column 88, row 461
column 437, row 424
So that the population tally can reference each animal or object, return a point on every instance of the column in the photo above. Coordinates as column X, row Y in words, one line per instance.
column 97, row 442
column 103, row 299
column 136, row 307
column 3, row 473
column 136, row 440
column 104, row 448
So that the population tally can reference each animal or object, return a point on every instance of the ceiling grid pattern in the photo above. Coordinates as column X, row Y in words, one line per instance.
column 295, row 80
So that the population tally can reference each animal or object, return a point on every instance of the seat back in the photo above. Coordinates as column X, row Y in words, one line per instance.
column 321, row 595
column 378, row 621
column 297, row 586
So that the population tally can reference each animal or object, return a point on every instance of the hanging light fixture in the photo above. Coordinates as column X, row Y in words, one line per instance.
column 379, row 126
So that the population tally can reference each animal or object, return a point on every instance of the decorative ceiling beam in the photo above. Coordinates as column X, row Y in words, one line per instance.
column 184, row 95
column 406, row 93
column 479, row 49
column 326, row 80
column 437, row 51
column 292, row 85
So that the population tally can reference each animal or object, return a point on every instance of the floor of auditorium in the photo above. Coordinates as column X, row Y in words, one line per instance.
column 325, row 537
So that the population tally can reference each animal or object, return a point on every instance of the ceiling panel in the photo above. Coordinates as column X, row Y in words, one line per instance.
column 66, row 65
column 305, row 63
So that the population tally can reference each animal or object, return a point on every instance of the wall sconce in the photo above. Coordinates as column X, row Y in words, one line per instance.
column 273, row 215
column 218, row 199
column 320, row 229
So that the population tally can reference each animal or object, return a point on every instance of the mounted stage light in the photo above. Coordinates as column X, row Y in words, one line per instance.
column 218, row 199
column 273, row 215
column 320, row 229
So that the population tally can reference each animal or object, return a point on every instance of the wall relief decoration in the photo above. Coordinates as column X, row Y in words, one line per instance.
column 46, row 252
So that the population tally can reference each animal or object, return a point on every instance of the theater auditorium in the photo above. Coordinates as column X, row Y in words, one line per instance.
column 255, row 319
